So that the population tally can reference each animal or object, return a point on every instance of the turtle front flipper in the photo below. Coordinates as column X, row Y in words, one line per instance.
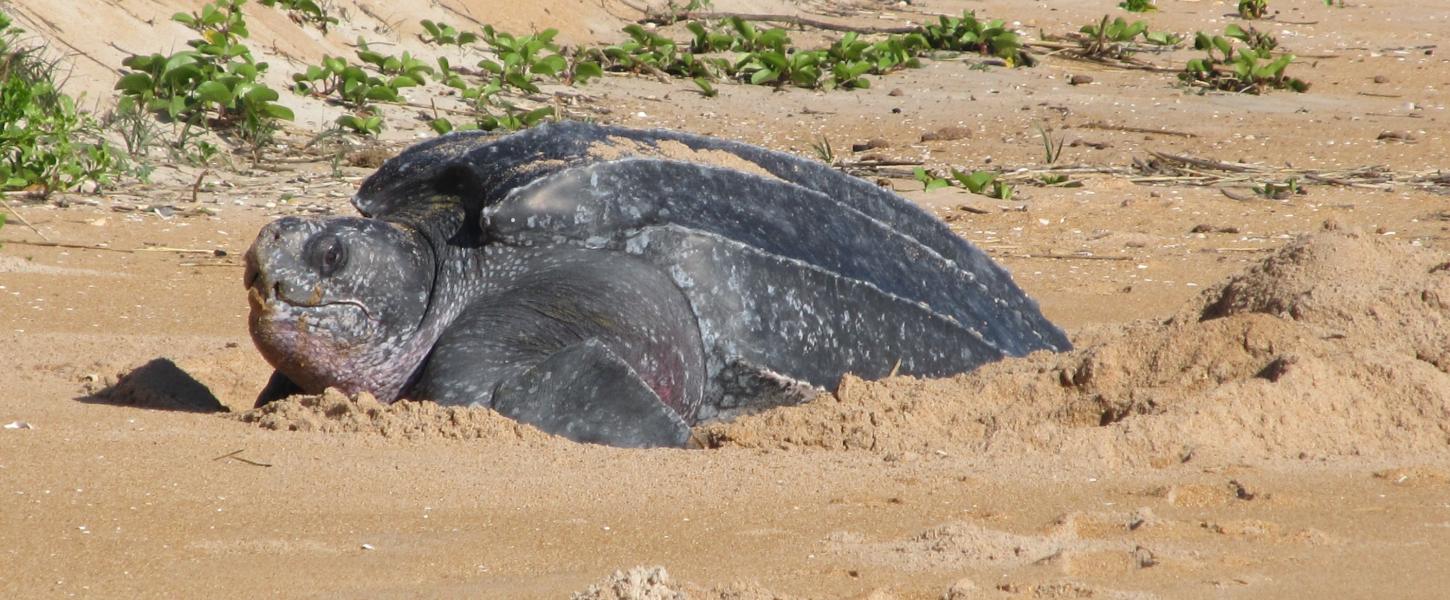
column 588, row 394
column 277, row 388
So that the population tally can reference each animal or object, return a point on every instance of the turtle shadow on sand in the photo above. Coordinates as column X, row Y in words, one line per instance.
column 158, row 385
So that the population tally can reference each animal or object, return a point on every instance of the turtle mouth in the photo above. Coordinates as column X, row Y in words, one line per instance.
column 262, row 296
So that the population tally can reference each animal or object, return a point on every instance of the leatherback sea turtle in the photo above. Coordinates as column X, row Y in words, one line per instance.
column 615, row 286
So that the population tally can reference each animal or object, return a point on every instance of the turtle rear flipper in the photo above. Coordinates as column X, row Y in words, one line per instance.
column 588, row 394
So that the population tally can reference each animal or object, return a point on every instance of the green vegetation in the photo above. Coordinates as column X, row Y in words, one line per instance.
column 1113, row 38
column 984, row 183
column 46, row 145
column 215, row 83
column 354, row 87
column 1243, row 69
column 1137, row 5
column 525, row 60
column 769, row 57
column 823, row 150
column 1253, row 9
column 441, row 34
column 1274, row 190
column 969, row 34
column 304, row 11
column 522, row 63
column 1260, row 41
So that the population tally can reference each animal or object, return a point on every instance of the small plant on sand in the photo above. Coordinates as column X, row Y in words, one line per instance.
column 1261, row 42
column 523, row 61
column 967, row 33
column 1243, row 69
column 443, row 34
column 304, row 12
column 1051, row 153
column 1137, row 5
column 647, row 52
column 1279, row 190
column 823, row 150
column 1114, row 38
column 215, row 83
column 377, row 78
column 1253, row 9
column 983, row 183
column 520, row 64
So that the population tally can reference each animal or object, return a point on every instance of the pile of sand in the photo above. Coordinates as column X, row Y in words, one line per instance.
column 1334, row 346
column 653, row 583
column 333, row 412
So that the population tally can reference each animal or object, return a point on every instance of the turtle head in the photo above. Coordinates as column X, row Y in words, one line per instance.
column 338, row 302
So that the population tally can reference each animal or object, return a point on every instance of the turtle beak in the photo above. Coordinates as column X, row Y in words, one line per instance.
column 259, row 286
column 270, row 241
column 251, row 274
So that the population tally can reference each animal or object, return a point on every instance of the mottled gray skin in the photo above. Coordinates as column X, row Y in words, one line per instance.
column 595, row 348
column 617, row 301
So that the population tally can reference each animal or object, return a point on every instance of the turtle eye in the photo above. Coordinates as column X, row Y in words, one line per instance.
column 330, row 255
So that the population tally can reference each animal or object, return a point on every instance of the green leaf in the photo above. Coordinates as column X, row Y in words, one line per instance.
column 1201, row 41
column 522, row 82
column 550, row 66
column 974, row 182
column 277, row 111
column 135, row 83
column 214, row 92
column 706, row 89
column 1223, row 45
column 586, row 70
column 441, row 125
column 382, row 93
column 536, row 115
column 260, row 94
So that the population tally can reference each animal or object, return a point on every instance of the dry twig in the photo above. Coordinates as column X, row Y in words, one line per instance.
column 22, row 219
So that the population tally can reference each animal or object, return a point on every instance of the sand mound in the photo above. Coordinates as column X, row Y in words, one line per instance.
column 639, row 583
column 333, row 412
column 953, row 546
column 1059, row 556
column 1334, row 346
column 653, row 583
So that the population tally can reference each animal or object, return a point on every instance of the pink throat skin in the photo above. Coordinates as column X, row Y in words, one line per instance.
column 299, row 342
